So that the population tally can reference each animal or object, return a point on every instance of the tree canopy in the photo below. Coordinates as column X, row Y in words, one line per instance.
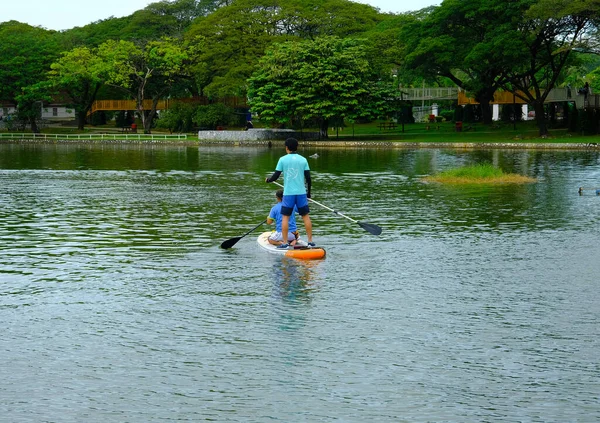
column 323, row 79
column 77, row 74
column 229, row 42
column 144, row 71
column 223, row 48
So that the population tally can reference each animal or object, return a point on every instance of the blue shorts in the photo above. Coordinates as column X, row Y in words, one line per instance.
column 289, row 201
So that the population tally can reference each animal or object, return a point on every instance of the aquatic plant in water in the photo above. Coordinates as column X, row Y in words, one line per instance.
column 479, row 174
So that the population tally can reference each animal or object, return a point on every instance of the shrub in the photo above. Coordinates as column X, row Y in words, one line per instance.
column 448, row 115
column 214, row 115
column 178, row 118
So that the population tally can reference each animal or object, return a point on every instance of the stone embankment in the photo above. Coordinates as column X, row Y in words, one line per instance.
column 270, row 137
column 416, row 145
column 256, row 134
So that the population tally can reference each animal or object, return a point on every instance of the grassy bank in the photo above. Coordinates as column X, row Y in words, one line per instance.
column 479, row 174
column 473, row 133
column 445, row 132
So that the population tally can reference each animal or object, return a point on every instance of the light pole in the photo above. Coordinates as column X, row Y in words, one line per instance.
column 395, row 75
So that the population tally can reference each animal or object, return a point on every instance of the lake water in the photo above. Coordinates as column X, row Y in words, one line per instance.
column 476, row 304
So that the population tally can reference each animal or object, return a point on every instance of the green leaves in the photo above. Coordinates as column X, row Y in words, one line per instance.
column 230, row 41
column 25, row 56
column 323, row 79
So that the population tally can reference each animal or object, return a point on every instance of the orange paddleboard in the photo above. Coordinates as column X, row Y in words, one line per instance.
column 301, row 251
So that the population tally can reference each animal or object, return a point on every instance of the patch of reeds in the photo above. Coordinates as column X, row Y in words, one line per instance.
column 479, row 174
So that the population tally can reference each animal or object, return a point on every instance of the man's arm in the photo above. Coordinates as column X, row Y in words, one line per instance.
column 308, row 182
column 273, row 177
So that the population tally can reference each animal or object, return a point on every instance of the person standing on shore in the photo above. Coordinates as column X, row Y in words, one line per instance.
column 296, row 189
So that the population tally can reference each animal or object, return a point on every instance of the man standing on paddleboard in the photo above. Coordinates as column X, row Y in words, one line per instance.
column 296, row 188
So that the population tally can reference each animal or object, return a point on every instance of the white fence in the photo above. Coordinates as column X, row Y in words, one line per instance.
column 89, row 137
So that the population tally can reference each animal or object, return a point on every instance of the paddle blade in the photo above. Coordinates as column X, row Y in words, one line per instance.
column 230, row 242
column 370, row 227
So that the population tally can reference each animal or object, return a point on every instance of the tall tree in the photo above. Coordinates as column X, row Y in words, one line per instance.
column 323, row 79
column 469, row 42
column 146, row 71
column 387, row 48
column 78, row 75
column 229, row 42
column 95, row 33
column 184, row 12
column 545, row 39
column 26, row 53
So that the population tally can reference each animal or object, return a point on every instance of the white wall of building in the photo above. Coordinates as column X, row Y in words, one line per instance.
column 48, row 112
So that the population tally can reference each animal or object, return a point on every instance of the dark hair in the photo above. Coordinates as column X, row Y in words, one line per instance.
column 279, row 193
column 291, row 144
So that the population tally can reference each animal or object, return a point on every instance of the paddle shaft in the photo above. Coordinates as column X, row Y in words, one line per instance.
column 369, row 227
column 255, row 228
column 232, row 241
column 325, row 207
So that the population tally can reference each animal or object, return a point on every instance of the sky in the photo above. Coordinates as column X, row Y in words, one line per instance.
column 67, row 14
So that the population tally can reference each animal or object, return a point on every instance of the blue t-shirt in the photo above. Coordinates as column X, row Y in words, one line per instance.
column 276, row 215
column 293, row 166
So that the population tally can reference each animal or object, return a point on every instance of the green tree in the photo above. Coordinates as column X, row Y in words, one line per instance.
column 178, row 118
column 166, row 18
column 30, row 102
column 78, row 75
column 386, row 48
column 323, row 79
column 95, row 33
column 469, row 42
column 26, row 53
column 546, row 37
column 229, row 42
column 214, row 115
column 310, row 19
column 144, row 72
column 184, row 12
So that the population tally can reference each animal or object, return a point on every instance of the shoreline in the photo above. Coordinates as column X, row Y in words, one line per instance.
column 324, row 143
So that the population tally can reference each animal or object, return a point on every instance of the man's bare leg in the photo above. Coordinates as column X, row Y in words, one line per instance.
column 307, row 226
column 285, row 223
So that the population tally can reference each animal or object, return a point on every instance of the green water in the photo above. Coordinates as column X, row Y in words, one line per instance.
column 476, row 303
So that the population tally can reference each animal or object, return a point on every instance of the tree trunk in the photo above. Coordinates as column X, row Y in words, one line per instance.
column 484, row 98
column 324, row 128
column 540, row 118
column 81, row 120
column 151, row 114
column 486, row 112
column 33, row 123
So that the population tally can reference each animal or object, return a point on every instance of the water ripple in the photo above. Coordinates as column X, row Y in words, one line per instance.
column 475, row 304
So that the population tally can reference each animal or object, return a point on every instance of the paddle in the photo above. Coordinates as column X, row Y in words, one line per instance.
column 232, row 241
column 369, row 227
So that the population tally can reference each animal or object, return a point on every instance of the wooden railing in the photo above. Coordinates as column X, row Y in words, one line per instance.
column 500, row 97
column 234, row 102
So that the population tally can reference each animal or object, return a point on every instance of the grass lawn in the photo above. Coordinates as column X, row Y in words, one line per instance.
column 446, row 132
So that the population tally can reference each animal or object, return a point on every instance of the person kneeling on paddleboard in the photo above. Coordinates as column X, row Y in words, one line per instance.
column 275, row 216
column 296, row 174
